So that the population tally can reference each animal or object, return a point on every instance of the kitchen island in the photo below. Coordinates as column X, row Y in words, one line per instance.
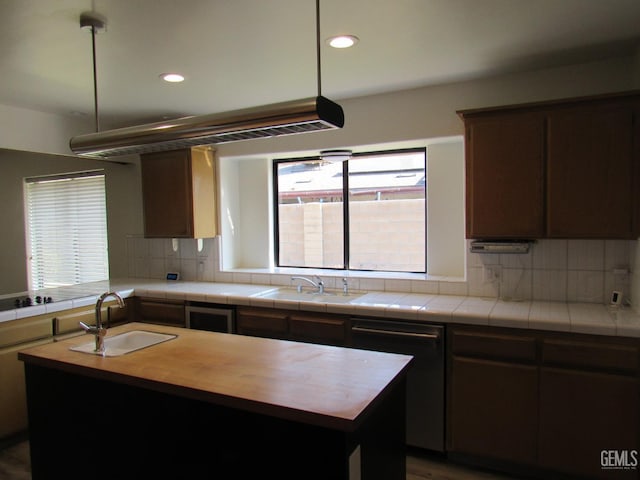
column 214, row 405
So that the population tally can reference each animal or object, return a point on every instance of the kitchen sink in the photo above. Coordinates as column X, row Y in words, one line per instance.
column 292, row 294
column 125, row 343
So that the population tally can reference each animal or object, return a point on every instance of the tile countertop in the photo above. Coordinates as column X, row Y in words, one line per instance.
column 589, row 318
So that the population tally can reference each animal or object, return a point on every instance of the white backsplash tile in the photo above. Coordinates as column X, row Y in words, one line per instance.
column 586, row 255
column 515, row 284
column 157, row 268
column 522, row 260
column 553, row 270
column 550, row 285
column 550, row 254
column 141, row 267
column 188, row 269
column 397, row 285
column 454, row 288
column 478, row 286
column 141, row 247
column 585, row 286
column 616, row 254
column 188, row 248
column 157, row 247
column 172, row 264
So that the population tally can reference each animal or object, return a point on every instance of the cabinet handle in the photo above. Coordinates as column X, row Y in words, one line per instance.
column 429, row 336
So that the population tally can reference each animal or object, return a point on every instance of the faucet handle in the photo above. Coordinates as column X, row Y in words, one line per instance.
column 101, row 332
column 88, row 328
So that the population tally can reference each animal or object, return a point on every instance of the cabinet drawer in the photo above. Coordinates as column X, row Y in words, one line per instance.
column 166, row 312
column 250, row 320
column 494, row 346
column 590, row 355
column 118, row 314
column 323, row 329
column 68, row 322
column 25, row 330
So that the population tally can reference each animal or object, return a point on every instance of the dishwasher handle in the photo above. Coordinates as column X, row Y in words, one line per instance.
column 394, row 333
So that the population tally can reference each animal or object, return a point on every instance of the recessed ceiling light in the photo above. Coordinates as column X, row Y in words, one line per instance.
column 342, row 41
column 172, row 77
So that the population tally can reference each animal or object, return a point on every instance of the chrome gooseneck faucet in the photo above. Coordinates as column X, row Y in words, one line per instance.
column 318, row 284
column 98, row 330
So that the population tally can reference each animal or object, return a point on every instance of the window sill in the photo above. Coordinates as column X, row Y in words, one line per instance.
column 358, row 280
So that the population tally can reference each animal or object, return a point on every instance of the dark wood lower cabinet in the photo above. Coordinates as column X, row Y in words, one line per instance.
column 552, row 405
column 583, row 414
column 160, row 434
column 262, row 322
column 160, row 311
column 318, row 328
column 295, row 325
column 494, row 408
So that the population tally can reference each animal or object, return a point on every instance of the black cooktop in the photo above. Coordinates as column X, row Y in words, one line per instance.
column 23, row 301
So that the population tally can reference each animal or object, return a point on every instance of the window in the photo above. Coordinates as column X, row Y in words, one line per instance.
column 367, row 213
column 66, row 229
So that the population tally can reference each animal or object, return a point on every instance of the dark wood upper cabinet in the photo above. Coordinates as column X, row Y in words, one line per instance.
column 178, row 189
column 505, row 176
column 590, row 172
column 561, row 169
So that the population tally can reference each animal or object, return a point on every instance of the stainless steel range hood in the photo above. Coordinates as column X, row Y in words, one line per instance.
column 287, row 118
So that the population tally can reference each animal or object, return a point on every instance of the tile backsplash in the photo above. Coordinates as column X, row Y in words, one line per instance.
column 553, row 270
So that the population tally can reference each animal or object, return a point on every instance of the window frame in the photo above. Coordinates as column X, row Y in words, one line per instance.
column 345, row 196
column 41, row 282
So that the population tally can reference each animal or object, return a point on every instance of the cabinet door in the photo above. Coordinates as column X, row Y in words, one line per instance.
column 584, row 413
column 590, row 172
column 160, row 311
column 117, row 315
column 505, row 176
column 13, row 401
column 324, row 329
column 167, row 194
column 260, row 322
column 493, row 410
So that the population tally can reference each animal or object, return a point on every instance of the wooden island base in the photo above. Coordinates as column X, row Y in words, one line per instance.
column 82, row 427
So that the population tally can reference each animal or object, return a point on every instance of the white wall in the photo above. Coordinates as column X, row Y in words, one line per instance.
column 411, row 118
column 445, row 209
column 34, row 131
column 408, row 118
column 123, row 208
column 430, row 112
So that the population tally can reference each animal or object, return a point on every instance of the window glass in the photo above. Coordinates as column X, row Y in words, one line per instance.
column 310, row 214
column 66, row 229
column 382, row 223
column 387, row 222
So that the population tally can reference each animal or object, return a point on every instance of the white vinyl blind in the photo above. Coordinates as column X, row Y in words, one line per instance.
column 66, row 229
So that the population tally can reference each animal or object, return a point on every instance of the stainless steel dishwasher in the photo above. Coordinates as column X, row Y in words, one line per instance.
column 425, row 379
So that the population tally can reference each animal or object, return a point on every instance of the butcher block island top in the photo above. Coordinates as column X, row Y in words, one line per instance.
column 326, row 386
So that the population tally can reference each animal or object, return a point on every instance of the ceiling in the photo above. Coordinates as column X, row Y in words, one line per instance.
column 243, row 53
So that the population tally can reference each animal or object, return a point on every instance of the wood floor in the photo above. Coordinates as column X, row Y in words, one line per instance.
column 14, row 465
column 14, row 462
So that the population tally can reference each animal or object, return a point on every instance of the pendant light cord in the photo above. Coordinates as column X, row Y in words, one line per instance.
column 95, row 78
column 319, row 66
column 92, row 22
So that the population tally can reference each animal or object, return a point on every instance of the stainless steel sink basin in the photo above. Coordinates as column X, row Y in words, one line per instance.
column 125, row 343
column 309, row 296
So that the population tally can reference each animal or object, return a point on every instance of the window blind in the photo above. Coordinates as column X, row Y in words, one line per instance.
column 66, row 229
